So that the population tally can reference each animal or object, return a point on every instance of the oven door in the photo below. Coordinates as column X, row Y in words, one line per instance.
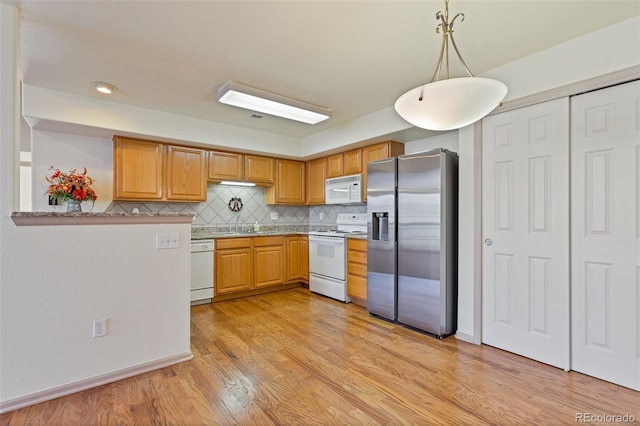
column 327, row 256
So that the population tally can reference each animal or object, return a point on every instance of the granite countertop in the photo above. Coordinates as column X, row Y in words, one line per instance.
column 357, row 236
column 208, row 233
column 91, row 218
column 218, row 235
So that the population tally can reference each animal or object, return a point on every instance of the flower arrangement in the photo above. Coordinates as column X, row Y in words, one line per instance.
column 70, row 186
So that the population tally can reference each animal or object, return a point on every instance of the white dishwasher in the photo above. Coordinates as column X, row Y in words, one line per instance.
column 201, row 271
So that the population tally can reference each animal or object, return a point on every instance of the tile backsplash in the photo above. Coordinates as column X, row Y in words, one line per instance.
column 216, row 212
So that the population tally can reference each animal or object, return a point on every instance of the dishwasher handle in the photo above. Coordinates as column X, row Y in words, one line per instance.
column 202, row 246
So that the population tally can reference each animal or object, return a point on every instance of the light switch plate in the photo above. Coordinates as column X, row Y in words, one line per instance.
column 167, row 241
column 274, row 215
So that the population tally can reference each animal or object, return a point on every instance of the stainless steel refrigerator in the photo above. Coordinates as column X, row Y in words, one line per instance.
column 412, row 211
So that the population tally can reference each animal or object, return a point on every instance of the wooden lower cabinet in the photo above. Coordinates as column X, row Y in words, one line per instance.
column 297, row 258
column 268, row 261
column 233, row 266
column 357, row 271
column 252, row 265
column 304, row 258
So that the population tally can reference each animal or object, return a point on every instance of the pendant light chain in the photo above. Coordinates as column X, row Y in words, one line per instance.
column 447, row 34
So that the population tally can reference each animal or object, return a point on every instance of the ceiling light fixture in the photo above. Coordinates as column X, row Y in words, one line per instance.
column 453, row 102
column 105, row 88
column 258, row 100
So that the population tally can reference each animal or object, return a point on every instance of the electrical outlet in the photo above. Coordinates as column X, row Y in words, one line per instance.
column 167, row 241
column 99, row 328
column 274, row 215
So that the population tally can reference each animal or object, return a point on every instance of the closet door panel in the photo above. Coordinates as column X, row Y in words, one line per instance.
column 605, row 258
column 525, row 287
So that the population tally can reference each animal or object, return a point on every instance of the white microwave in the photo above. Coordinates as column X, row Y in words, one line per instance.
column 344, row 190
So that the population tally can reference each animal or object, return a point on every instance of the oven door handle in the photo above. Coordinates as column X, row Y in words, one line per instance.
column 336, row 242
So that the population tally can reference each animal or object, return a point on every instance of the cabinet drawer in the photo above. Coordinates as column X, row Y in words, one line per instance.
column 357, row 269
column 357, row 256
column 229, row 243
column 268, row 241
column 354, row 244
column 357, row 286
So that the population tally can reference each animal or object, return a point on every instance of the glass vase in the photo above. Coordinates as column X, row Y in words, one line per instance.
column 73, row 206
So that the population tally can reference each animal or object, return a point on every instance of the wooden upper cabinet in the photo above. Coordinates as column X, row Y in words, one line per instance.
column 259, row 169
column 335, row 165
column 138, row 169
column 186, row 174
column 379, row 151
column 290, row 183
column 353, row 162
column 225, row 166
column 316, row 175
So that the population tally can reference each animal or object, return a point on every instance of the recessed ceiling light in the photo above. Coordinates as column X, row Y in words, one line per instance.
column 105, row 87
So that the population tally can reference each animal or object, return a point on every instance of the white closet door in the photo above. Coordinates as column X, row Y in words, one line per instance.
column 525, row 286
column 605, row 267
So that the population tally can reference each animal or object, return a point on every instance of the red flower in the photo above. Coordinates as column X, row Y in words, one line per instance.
column 72, row 185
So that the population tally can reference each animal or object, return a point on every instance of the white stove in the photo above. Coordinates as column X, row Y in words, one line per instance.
column 328, row 256
column 348, row 223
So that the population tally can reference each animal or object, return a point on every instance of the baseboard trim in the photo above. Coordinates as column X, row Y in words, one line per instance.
column 465, row 337
column 92, row 382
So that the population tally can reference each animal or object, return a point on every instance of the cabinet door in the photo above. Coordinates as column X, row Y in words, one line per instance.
column 186, row 174
column 304, row 258
column 233, row 270
column 353, row 162
column 357, row 269
column 335, row 165
column 290, row 183
column 259, row 169
column 316, row 170
column 379, row 151
column 293, row 258
column 269, row 265
column 226, row 166
column 138, row 169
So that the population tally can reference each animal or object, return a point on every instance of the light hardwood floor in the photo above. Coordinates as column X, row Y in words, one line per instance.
column 296, row 358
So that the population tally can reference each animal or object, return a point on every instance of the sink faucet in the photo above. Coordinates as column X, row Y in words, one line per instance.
column 238, row 220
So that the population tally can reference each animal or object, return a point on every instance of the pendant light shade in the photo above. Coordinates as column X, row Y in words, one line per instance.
column 450, row 103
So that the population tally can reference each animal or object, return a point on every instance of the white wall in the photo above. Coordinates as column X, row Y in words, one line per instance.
column 66, row 151
column 448, row 140
column 612, row 48
column 61, row 278
column 86, row 114
column 54, row 280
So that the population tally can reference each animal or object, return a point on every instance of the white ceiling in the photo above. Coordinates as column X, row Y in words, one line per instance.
column 354, row 57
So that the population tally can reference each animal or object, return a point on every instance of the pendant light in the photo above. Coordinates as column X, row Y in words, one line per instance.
column 450, row 103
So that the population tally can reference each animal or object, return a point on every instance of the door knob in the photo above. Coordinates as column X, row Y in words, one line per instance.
column 488, row 242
